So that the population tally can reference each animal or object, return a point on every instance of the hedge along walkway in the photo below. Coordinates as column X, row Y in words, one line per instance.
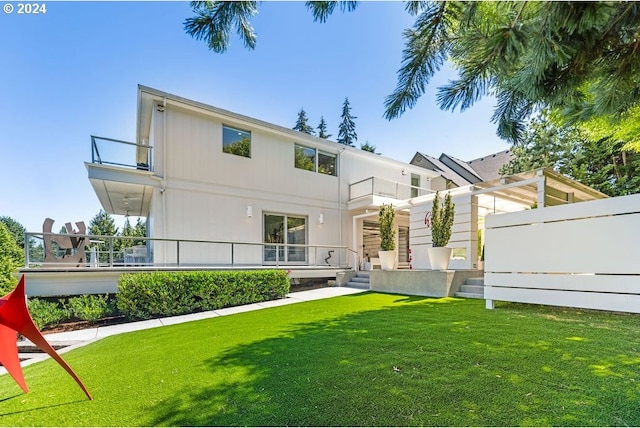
column 366, row 359
column 78, row 338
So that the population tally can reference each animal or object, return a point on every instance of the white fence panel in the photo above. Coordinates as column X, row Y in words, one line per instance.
column 579, row 255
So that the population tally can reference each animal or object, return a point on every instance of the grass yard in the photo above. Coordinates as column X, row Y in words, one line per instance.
column 367, row 359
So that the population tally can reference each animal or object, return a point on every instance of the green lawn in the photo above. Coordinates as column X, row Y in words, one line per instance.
column 367, row 359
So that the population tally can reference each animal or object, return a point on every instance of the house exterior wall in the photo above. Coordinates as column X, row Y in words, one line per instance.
column 205, row 192
column 464, row 235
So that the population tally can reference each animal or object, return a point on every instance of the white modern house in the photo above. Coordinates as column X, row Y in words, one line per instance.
column 220, row 188
column 225, row 191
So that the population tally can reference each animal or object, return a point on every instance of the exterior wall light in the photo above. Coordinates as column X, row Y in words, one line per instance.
column 321, row 219
column 249, row 211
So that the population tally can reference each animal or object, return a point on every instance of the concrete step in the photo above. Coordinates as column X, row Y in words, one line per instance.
column 475, row 281
column 360, row 279
column 469, row 295
column 361, row 285
column 476, row 289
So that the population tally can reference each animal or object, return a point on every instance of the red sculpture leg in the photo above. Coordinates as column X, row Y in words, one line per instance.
column 9, row 355
column 14, row 315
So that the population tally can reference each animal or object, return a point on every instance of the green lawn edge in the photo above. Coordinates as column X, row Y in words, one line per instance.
column 369, row 359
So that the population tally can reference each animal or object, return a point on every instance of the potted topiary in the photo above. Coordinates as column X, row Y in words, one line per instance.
column 387, row 237
column 441, row 228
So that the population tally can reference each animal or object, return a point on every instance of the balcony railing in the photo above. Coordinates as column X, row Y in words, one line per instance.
column 380, row 187
column 101, row 251
column 107, row 151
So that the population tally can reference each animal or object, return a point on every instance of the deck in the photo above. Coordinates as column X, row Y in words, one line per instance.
column 59, row 281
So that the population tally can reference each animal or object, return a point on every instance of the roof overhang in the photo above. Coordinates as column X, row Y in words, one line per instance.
column 542, row 186
column 517, row 192
column 122, row 191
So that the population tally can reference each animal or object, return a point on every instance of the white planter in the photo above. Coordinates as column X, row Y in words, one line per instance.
column 439, row 257
column 387, row 259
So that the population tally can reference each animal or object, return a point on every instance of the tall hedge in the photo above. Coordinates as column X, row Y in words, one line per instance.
column 156, row 294
column 11, row 258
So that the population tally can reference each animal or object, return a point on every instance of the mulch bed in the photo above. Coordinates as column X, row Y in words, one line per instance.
column 81, row 325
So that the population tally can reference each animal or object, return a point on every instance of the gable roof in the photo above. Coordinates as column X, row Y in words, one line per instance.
column 433, row 164
column 488, row 167
column 462, row 173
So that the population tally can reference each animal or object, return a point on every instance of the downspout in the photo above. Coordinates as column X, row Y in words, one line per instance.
column 340, row 202
column 163, row 183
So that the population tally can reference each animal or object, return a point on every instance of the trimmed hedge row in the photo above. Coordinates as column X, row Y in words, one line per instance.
column 157, row 294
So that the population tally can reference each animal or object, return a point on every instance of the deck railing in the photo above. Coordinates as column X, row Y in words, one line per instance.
column 380, row 187
column 107, row 151
column 102, row 251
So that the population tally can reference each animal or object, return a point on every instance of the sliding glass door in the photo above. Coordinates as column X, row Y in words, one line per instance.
column 286, row 230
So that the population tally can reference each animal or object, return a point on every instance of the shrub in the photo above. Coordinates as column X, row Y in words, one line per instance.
column 152, row 294
column 45, row 313
column 11, row 257
column 89, row 307
column 386, row 218
column 442, row 216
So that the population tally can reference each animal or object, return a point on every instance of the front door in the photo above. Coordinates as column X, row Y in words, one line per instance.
column 289, row 231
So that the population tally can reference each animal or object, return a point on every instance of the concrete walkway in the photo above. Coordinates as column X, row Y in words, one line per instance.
column 74, row 339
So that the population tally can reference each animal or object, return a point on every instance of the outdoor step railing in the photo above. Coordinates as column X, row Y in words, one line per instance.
column 103, row 251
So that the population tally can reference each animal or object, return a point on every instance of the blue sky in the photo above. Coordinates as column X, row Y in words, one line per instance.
column 73, row 72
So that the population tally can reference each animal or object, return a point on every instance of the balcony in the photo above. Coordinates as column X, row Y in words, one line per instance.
column 121, row 174
column 373, row 191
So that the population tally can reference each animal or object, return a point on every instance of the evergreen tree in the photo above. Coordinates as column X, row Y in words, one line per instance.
column 368, row 147
column 16, row 229
column 103, row 224
column 577, row 56
column 301, row 124
column 11, row 257
column 347, row 129
column 139, row 230
column 604, row 164
column 322, row 129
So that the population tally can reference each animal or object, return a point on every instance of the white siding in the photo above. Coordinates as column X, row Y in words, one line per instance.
column 579, row 255
column 465, row 233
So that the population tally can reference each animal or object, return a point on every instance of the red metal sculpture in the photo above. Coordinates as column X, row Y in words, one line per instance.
column 14, row 317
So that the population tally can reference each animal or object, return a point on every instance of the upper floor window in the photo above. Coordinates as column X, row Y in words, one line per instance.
column 312, row 160
column 415, row 185
column 236, row 141
column 327, row 163
column 305, row 157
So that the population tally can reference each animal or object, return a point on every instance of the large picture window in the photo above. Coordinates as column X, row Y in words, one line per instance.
column 312, row 160
column 236, row 141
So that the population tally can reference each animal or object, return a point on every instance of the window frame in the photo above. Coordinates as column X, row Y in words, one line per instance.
column 302, row 148
column 316, row 159
column 239, row 131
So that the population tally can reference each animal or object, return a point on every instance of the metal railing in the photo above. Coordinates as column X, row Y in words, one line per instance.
column 381, row 187
column 103, row 251
column 107, row 151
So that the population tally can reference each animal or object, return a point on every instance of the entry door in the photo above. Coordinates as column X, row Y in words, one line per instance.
column 286, row 230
